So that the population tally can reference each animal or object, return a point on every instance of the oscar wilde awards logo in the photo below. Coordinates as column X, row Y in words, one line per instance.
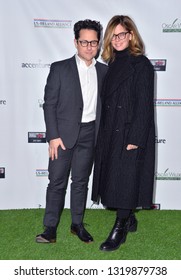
column 168, row 175
column 2, row 172
column 174, row 26
column 36, row 137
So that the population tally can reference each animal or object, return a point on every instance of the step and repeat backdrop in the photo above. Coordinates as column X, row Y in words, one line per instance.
column 35, row 33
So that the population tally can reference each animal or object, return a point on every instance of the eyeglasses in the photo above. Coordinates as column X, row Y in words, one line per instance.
column 120, row 36
column 85, row 43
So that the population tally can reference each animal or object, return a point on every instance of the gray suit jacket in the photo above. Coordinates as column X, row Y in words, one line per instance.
column 63, row 103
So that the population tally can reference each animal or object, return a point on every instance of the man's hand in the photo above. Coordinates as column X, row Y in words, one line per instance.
column 53, row 147
column 131, row 147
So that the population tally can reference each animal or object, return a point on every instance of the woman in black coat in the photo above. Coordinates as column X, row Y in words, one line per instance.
column 125, row 154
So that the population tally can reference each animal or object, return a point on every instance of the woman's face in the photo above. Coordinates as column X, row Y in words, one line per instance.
column 121, row 38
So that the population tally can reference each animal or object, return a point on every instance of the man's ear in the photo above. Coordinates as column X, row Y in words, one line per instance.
column 75, row 42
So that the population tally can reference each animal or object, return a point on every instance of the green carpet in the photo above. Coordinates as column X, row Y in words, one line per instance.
column 158, row 236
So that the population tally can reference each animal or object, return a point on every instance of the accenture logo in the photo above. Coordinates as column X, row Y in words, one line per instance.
column 52, row 23
column 168, row 175
column 35, row 65
column 160, row 140
column 2, row 102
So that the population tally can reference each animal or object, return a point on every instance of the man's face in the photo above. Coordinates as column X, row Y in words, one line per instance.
column 87, row 53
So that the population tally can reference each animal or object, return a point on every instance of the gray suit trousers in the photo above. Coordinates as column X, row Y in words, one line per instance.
column 78, row 161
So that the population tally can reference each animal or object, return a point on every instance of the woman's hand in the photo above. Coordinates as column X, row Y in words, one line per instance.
column 131, row 147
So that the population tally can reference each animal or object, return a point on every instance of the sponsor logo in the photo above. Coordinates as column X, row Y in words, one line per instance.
column 174, row 26
column 168, row 175
column 2, row 102
column 40, row 102
column 167, row 102
column 160, row 141
column 155, row 206
column 158, row 64
column 36, row 137
column 41, row 172
column 2, row 172
column 35, row 65
column 152, row 207
column 52, row 23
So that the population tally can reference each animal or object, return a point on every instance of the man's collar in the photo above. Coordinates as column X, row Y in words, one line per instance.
column 82, row 63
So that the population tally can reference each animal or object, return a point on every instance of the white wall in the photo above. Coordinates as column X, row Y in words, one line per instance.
column 27, row 50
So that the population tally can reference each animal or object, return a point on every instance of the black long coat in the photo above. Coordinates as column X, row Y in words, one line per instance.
column 122, row 178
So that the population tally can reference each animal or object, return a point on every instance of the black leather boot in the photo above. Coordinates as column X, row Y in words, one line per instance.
column 117, row 235
column 132, row 223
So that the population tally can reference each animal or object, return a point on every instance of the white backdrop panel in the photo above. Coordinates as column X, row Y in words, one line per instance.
column 26, row 52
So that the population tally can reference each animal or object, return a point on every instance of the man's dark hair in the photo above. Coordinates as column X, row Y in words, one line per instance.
column 87, row 24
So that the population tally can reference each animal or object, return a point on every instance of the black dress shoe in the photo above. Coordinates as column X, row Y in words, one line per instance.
column 48, row 236
column 133, row 223
column 117, row 235
column 81, row 232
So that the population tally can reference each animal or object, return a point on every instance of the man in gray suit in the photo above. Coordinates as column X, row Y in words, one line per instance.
column 72, row 113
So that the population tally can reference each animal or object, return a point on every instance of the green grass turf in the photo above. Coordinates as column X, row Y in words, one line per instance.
column 158, row 236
